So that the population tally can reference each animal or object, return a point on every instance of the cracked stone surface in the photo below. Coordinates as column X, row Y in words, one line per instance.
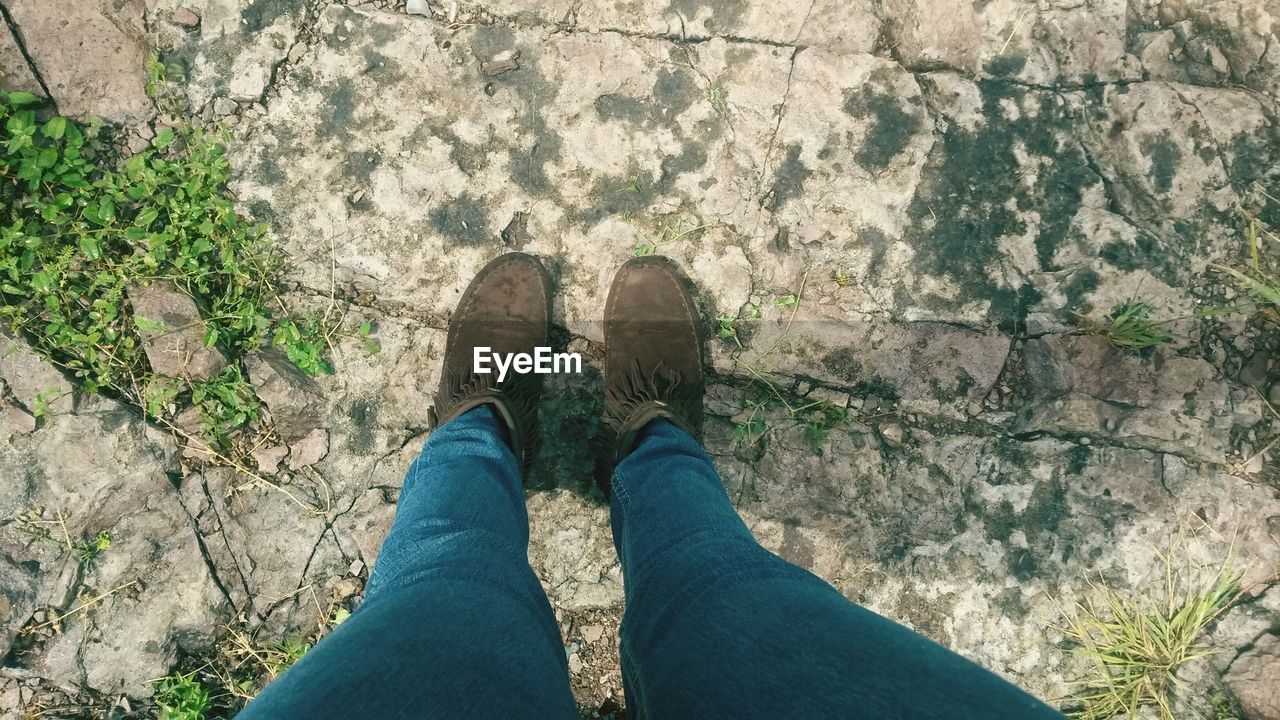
column 91, row 55
column 909, row 207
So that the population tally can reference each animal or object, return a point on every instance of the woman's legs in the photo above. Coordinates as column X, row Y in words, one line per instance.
column 455, row 623
column 717, row 626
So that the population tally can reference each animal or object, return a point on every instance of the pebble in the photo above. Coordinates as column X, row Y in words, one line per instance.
column 892, row 434
column 1085, row 441
column 592, row 633
column 224, row 106
column 1273, row 393
column 185, row 17
column 418, row 7
column 268, row 459
column 575, row 664
column 1109, row 424
column 1254, row 372
column 357, row 566
column 309, row 450
column 1254, row 466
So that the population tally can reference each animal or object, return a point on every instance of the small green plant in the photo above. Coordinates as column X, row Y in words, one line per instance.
column 89, row 550
column 1130, row 327
column 181, row 697
column 671, row 232
column 371, row 345
column 226, row 403
column 748, row 430
column 821, row 417
column 1224, row 707
column 79, row 227
column 840, row 277
column 44, row 401
column 305, row 343
column 716, row 97
column 158, row 86
column 727, row 329
column 1262, row 286
column 1136, row 645
column 35, row 525
column 282, row 656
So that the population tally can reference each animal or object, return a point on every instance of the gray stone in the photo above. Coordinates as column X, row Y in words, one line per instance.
column 270, row 542
column 103, row 469
column 32, row 381
column 239, row 45
column 1273, row 394
column 1075, row 383
column 296, row 402
column 418, row 7
column 268, row 459
column 892, row 434
column 1253, row 678
column 173, row 332
column 15, row 73
column 1254, row 371
column 309, row 450
column 17, row 420
column 592, row 633
column 224, row 106
column 91, row 54
column 185, row 17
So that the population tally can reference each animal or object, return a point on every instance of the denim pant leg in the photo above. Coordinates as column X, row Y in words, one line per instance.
column 455, row 623
column 718, row 627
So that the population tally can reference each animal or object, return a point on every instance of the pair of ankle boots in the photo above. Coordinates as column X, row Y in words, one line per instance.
column 653, row 351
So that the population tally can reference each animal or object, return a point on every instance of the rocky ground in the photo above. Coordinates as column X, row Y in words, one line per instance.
column 898, row 213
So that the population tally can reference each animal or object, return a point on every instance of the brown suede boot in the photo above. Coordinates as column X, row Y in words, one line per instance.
column 653, row 352
column 506, row 308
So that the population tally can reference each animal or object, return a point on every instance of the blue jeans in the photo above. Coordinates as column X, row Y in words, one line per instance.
column 455, row 623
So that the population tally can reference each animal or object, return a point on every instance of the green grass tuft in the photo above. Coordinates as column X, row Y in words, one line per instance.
column 181, row 697
column 1136, row 645
column 1130, row 327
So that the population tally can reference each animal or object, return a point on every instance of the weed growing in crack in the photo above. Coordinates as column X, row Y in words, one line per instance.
column 1262, row 286
column 821, row 417
column 716, row 98
column 35, row 525
column 818, row 417
column 727, row 329
column 1130, row 327
column 79, row 228
column 1136, row 645
column 181, row 697
column 671, row 232
column 161, row 85
column 305, row 343
column 89, row 550
column 243, row 663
